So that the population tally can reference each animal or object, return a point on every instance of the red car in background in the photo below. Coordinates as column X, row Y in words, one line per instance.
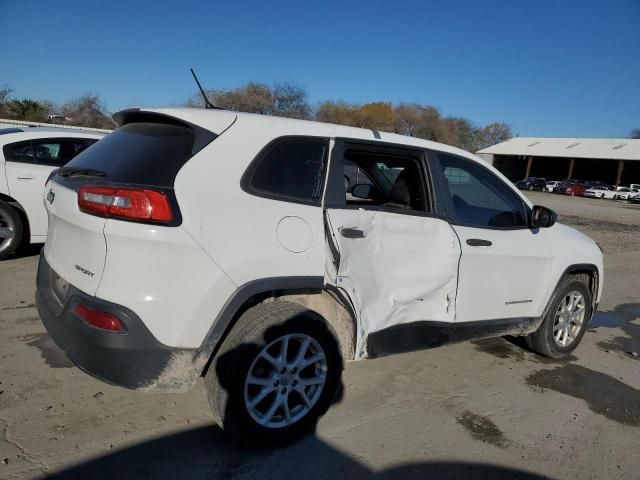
column 576, row 189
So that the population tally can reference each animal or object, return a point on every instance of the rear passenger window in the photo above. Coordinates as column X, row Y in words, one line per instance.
column 59, row 152
column 55, row 152
column 291, row 169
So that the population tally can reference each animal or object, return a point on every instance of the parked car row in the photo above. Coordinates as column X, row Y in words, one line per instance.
column 574, row 187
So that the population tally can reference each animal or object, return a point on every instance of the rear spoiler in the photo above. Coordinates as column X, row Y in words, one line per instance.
column 135, row 115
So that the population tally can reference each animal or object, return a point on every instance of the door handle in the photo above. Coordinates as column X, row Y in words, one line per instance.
column 478, row 242
column 352, row 233
column 26, row 177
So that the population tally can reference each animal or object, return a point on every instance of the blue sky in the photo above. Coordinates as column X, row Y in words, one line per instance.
column 548, row 68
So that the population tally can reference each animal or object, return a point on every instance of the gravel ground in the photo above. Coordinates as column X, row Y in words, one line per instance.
column 484, row 409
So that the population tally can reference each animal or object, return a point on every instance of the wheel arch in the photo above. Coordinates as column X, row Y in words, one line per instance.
column 577, row 269
column 309, row 292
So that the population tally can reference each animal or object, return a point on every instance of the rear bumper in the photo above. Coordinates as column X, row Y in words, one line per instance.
column 132, row 358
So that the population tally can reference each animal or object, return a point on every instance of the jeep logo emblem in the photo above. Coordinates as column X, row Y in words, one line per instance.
column 51, row 196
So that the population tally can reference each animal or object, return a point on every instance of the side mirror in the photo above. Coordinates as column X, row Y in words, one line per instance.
column 542, row 217
column 363, row 190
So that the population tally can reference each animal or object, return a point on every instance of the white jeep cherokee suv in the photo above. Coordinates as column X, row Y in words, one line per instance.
column 27, row 158
column 193, row 243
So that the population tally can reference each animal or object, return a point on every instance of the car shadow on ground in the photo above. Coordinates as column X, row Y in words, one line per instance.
column 206, row 452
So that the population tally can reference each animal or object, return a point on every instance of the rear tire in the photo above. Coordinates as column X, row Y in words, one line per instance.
column 11, row 230
column 562, row 328
column 256, row 392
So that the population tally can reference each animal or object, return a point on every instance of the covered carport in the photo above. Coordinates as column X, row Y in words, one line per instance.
column 612, row 160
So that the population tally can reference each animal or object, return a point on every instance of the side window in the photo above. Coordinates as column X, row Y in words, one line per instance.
column 53, row 152
column 59, row 152
column 480, row 199
column 291, row 169
column 19, row 152
column 391, row 181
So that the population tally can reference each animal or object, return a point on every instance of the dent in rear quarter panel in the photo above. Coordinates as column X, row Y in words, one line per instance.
column 571, row 247
column 166, row 279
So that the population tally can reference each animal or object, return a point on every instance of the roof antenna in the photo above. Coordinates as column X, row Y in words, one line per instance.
column 207, row 103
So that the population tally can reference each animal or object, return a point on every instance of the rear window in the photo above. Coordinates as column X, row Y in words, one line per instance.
column 141, row 153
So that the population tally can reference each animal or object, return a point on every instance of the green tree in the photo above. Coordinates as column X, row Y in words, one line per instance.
column 26, row 109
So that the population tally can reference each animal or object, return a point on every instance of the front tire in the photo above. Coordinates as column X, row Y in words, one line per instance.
column 11, row 230
column 275, row 375
column 566, row 320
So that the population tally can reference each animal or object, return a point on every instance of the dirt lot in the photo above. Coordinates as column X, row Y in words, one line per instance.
column 484, row 409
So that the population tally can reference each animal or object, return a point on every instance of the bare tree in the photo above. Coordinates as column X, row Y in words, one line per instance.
column 5, row 96
column 494, row 133
column 463, row 133
column 291, row 101
column 635, row 133
column 87, row 111
column 283, row 100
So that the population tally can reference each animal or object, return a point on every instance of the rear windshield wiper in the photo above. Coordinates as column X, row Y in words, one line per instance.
column 80, row 171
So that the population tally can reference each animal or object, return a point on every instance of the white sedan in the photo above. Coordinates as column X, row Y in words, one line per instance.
column 627, row 193
column 601, row 192
column 549, row 186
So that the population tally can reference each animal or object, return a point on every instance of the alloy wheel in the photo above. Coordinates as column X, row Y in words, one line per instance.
column 569, row 319
column 285, row 380
column 7, row 232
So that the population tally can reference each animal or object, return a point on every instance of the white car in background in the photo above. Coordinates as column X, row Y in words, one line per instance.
column 626, row 193
column 27, row 157
column 549, row 186
column 601, row 192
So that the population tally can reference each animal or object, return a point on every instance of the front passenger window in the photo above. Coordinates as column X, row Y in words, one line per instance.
column 480, row 199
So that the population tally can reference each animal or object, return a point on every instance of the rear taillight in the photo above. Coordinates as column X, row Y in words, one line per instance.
column 131, row 203
column 98, row 319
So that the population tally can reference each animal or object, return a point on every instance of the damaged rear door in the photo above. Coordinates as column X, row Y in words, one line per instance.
column 390, row 253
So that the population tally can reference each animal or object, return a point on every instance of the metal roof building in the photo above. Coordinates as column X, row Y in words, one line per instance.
column 614, row 160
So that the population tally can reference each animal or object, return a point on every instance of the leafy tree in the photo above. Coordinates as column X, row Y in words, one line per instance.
column 377, row 115
column 337, row 112
column 635, row 133
column 25, row 109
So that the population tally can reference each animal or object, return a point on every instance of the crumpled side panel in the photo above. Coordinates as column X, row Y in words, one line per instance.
column 404, row 270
